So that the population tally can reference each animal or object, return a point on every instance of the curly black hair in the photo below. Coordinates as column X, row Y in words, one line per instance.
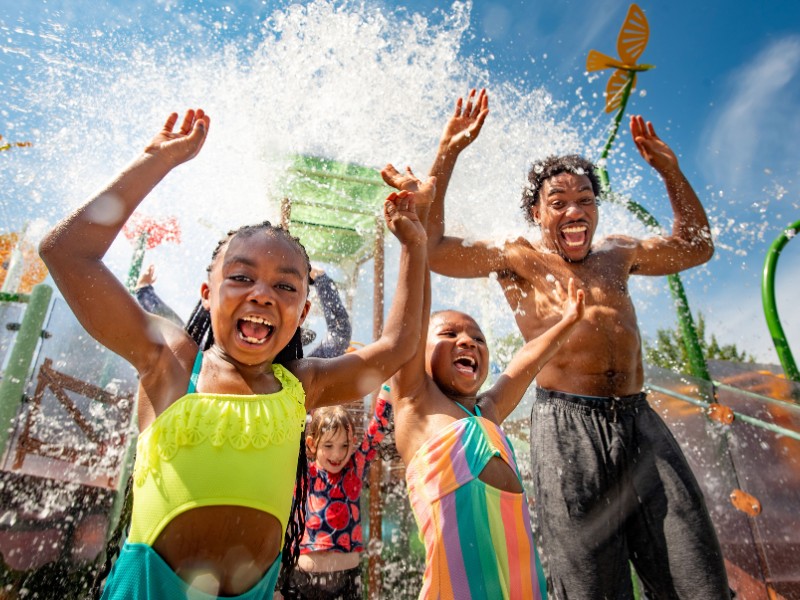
column 542, row 170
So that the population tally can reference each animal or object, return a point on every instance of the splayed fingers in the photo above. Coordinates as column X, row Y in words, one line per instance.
column 184, row 144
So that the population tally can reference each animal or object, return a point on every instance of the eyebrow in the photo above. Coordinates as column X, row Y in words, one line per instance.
column 559, row 190
column 249, row 262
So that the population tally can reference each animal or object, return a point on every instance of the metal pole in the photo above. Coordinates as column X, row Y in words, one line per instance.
column 16, row 373
column 771, row 308
column 376, row 470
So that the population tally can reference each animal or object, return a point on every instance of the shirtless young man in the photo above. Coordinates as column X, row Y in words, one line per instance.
column 610, row 483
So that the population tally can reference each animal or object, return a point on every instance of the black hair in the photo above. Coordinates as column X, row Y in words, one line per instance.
column 542, row 170
column 199, row 328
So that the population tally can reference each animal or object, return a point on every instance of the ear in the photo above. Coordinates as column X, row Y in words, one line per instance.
column 310, row 444
column 204, row 293
column 304, row 314
column 536, row 214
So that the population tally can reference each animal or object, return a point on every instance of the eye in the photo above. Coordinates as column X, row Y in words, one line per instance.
column 587, row 201
column 239, row 277
column 447, row 333
column 286, row 287
column 557, row 204
column 480, row 340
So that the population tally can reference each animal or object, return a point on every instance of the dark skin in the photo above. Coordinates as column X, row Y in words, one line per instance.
column 451, row 366
column 262, row 277
column 603, row 357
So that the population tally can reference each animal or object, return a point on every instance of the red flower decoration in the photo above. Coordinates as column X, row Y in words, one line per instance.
column 357, row 535
column 337, row 515
column 158, row 231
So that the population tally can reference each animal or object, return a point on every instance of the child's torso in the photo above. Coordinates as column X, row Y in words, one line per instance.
column 477, row 538
column 217, row 471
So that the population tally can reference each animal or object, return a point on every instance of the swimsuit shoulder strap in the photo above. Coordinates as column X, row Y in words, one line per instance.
column 477, row 409
column 198, row 362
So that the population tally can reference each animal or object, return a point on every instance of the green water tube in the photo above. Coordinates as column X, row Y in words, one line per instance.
column 771, row 309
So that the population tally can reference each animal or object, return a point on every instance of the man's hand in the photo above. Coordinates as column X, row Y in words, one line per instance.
column 652, row 148
column 464, row 126
column 423, row 192
column 402, row 220
column 184, row 144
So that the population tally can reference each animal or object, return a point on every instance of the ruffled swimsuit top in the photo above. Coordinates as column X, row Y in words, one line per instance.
column 218, row 449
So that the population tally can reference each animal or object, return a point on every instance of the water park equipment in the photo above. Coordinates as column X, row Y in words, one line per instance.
column 771, row 308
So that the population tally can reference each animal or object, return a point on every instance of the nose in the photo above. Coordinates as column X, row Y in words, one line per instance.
column 261, row 293
column 575, row 210
column 466, row 341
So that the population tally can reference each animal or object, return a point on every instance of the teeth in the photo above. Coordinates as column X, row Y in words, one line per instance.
column 575, row 229
column 251, row 340
column 255, row 319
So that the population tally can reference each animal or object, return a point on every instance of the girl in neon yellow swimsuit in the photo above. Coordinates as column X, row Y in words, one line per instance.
column 221, row 411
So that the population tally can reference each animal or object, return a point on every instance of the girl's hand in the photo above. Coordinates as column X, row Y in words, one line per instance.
column 573, row 303
column 423, row 192
column 184, row 144
column 464, row 126
column 402, row 220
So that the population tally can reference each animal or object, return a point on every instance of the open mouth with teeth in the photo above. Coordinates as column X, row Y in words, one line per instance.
column 254, row 330
column 467, row 366
column 575, row 235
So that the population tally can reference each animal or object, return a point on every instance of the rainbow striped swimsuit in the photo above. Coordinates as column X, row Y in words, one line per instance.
column 478, row 541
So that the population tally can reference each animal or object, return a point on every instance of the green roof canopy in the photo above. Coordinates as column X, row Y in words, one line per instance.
column 334, row 207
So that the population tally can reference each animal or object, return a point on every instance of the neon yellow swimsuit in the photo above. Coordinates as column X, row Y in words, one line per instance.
column 218, row 449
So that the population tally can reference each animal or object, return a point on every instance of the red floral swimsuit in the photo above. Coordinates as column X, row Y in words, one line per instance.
column 333, row 511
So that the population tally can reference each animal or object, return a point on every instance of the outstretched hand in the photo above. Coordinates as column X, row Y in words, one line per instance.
column 574, row 301
column 402, row 220
column 184, row 144
column 464, row 126
column 652, row 148
column 407, row 181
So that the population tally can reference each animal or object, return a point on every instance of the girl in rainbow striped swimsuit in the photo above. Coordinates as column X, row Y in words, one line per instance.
column 463, row 481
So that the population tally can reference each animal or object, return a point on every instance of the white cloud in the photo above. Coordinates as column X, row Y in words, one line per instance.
column 755, row 115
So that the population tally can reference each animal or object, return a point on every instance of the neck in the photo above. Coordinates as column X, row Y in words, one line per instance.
column 249, row 373
column 468, row 402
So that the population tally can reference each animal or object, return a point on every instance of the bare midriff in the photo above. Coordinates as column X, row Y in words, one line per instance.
column 232, row 545
column 327, row 561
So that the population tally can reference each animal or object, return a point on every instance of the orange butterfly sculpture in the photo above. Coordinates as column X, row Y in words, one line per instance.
column 631, row 43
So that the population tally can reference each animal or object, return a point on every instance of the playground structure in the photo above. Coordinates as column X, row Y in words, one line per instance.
column 67, row 405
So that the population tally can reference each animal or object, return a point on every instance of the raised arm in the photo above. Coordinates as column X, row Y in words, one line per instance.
column 337, row 322
column 354, row 375
column 446, row 254
column 508, row 390
column 74, row 249
column 690, row 243
column 375, row 431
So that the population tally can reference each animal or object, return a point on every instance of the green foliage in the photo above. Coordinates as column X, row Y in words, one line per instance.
column 669, row 352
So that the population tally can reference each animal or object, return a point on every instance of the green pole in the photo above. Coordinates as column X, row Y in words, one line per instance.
column 16, row 373
column 771, row 308
column 691, row 342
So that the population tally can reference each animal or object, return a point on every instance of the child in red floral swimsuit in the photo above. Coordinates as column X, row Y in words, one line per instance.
column 330, row 552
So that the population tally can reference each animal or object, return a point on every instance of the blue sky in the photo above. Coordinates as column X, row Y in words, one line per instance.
column 88, row 82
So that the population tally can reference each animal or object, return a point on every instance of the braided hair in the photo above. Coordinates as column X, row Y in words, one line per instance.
column 199, row 328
